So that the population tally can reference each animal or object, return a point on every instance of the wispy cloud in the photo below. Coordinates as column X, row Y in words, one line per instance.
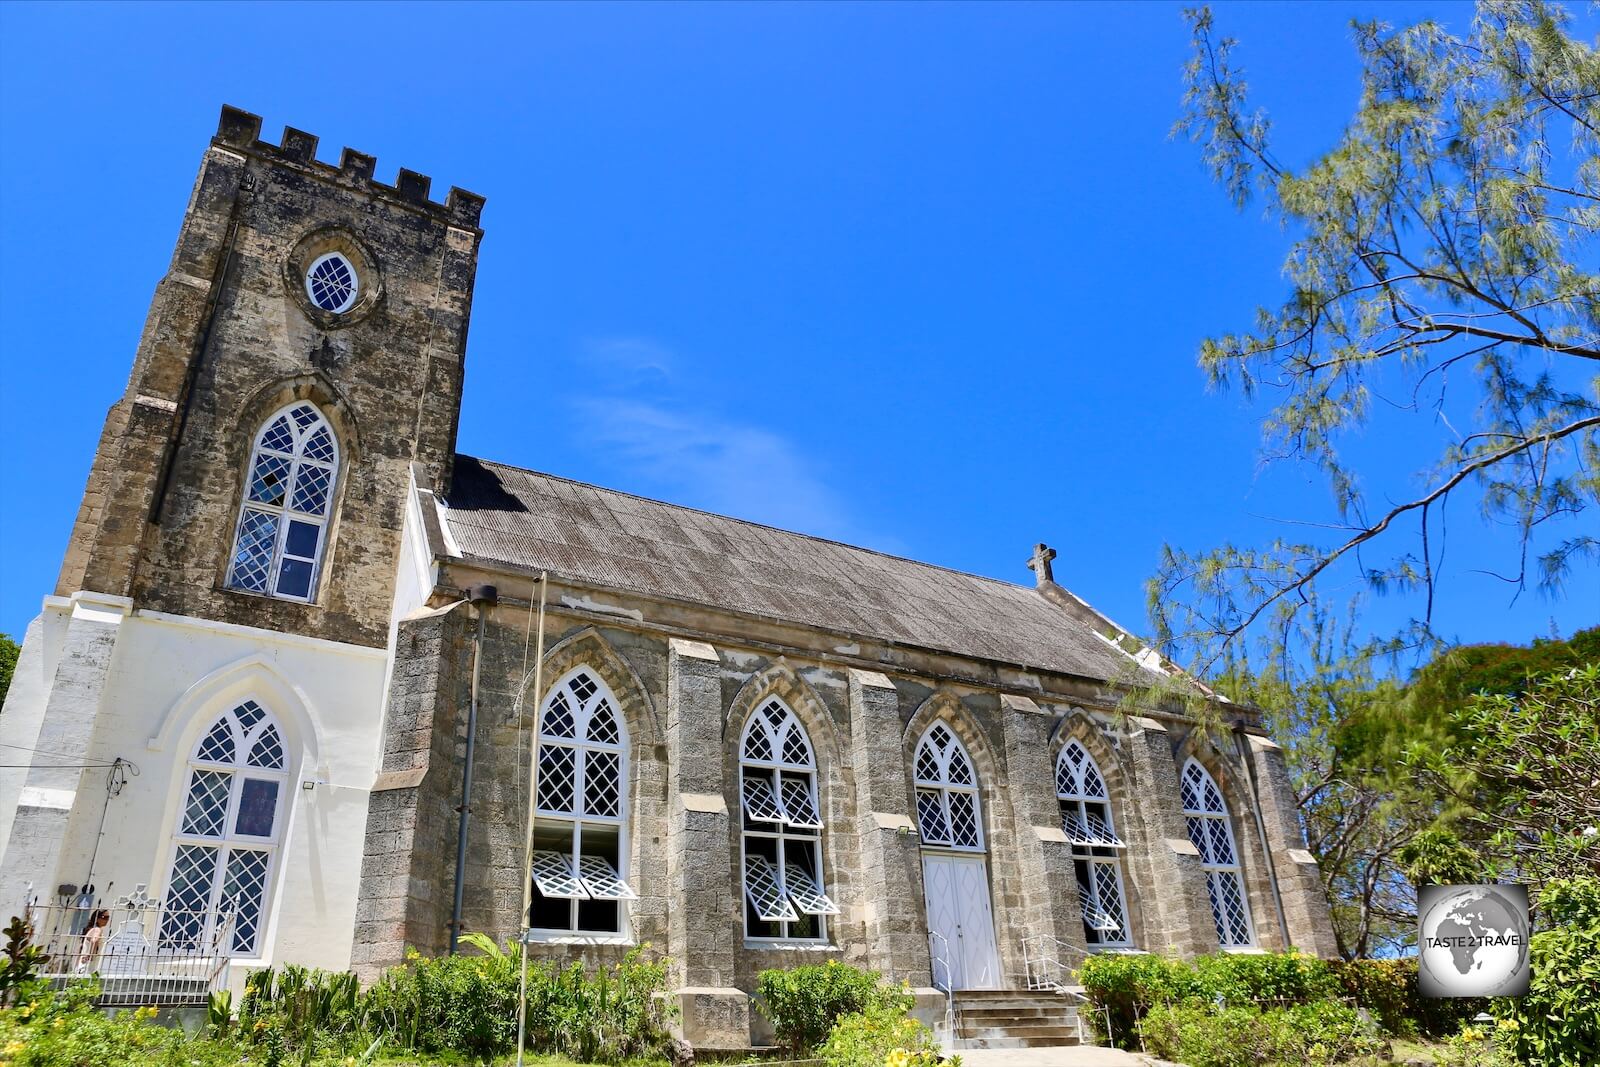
column 691, row 454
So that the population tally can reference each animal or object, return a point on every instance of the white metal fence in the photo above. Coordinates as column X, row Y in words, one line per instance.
column 142, row 953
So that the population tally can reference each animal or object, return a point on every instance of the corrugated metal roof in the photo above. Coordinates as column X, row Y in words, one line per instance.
column 525, row 519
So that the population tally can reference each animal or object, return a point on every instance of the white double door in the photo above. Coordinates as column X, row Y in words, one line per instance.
column 957, row 889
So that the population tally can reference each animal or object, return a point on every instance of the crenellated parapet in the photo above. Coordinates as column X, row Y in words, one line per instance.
column 240, row 129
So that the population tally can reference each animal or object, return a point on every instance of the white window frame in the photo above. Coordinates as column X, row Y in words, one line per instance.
column 1199, row 814
column 229, row 840
column 943, row 788
column 786, row 833
column 579, row 817
column 355, row 282
column 285, row 513
column 1080, row 783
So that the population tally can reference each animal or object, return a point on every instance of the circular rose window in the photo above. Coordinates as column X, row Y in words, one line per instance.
column 331, row 283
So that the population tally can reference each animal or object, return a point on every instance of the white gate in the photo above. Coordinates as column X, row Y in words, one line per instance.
column 957, row 889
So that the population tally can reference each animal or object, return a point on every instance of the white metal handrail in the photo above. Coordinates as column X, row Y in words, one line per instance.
column 1044, row 958
column 937, row 954
column 143, row 953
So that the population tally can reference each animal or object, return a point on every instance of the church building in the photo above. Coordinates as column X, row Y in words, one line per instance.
column 295, row 632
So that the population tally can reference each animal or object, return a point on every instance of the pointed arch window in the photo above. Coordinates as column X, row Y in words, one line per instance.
column 1086, row 817
column 580, row 844
column 227, row 836
column 948, row 810
column 781, row 841
column 1211, row 831
column 283, row 521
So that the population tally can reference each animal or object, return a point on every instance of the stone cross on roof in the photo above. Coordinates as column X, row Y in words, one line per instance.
column 1040, row 563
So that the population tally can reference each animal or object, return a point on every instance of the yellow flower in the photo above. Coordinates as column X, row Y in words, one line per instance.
column 1508, row 1024
column 14, row 1047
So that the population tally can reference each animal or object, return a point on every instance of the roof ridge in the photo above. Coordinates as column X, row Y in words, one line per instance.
column 746, row 522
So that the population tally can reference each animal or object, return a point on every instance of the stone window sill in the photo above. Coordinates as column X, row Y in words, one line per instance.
column 790, row 946
column 538, row 937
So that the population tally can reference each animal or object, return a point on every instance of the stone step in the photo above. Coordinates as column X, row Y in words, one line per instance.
column 1041, row 1030
column 964, row 1044
column 1013, row 1000
column 1032, row 1011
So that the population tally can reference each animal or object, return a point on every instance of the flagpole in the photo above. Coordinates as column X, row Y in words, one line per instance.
column 527, row 844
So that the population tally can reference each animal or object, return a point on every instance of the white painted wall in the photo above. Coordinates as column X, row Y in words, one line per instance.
column 170, row 677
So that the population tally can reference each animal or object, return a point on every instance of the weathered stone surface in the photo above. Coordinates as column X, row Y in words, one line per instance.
column 231, row 337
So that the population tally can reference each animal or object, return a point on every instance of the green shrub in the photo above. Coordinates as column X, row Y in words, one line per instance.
column 62, row 1030
column 884, row 1035
column 1205, row 1035
column 468, row 1005
column 1289, row 977
column 1474, row 1047
column 804, row 1003
column 1558, row 1023
column 1387, row 990
column 1129, row 985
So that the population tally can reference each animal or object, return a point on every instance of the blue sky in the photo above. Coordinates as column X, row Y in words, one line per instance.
column 925, row 278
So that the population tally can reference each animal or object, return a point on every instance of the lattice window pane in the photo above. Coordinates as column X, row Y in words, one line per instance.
column 928, row 764
column 796, row 752
column 1190, row 788
column 1108, row 893
column 553, row 874
column 1213, row 798
column 1100, row 832
column 931, row 821
column 304, row 415
column 560, row 720
column 1072, row 825
column 279, row 436
column 206, row 808
column 602, row 728
column 1093, row 784
column 1197, row 834
column 218, row 745
column 583, row 687
column 798, row 807
column 249, row 713
column 964, row 820
column 311, row 489
column 757, row 746
column 319, row 446
column 556, row 778
column 1221, row 846
column 960, row 768
column 188, row 898
column 775, row 714
column 243, row 888
column 761, row 888
column 269, row 479
column 808, row 897
column 602, row 783
column 1227, row 908
column 760, row 804
column 268, row 750
column 1066, row 776
column 601, row 880
column 252, row 555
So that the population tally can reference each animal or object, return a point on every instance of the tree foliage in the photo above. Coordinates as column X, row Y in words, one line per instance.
column 1524, row 771
column 1442, row 269
column 1344, row 729
column 8, row 664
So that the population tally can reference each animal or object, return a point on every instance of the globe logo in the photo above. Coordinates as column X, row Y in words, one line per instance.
column 1472, row 940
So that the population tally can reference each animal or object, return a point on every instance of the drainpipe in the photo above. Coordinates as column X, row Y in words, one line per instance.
column 1261, row 827
column 482, row 597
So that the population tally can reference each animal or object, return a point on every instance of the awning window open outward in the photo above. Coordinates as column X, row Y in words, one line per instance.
column 595, row 878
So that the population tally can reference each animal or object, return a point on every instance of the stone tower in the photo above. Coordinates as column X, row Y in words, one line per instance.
column 294, row 282
column 233, row 335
